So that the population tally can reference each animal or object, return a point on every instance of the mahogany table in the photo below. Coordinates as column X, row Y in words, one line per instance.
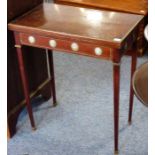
column 104, row 35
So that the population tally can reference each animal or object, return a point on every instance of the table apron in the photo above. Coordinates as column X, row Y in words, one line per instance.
column 75, row 47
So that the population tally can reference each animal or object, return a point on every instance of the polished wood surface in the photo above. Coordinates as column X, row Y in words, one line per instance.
column 100, row 34
column 130, row 6
column 104, row 27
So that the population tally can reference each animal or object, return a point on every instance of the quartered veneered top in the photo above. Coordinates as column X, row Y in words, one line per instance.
column 70, row 22
column 129, row 6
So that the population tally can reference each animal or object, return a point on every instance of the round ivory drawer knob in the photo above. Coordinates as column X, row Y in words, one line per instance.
column 74, row 46
column 98, row 51
column 52, row 43
column 31, row 39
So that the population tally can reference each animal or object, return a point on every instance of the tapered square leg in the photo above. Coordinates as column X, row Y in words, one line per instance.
column 24, row 79
column 116, row 81
column 133, row 68
column 51, row 68
column 116, row 58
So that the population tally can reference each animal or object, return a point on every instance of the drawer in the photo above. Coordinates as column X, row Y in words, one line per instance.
column 76, row 47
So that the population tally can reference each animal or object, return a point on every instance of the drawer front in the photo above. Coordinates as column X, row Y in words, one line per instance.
column 65, row 45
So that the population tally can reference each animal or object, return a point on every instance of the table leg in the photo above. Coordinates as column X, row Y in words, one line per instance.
column 51, row 68
column 24, row 79
column 133, row 68
column 116, row 80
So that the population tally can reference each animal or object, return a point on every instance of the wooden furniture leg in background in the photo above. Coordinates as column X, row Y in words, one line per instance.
column 133, row 68
column 51, row 68
column 24, row 79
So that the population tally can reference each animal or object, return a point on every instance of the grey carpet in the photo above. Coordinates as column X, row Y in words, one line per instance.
column 82, row 123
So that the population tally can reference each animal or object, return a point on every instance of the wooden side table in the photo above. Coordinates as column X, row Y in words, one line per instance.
column 100, row 34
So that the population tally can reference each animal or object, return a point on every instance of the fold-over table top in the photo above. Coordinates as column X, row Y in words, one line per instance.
column 68, row 22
